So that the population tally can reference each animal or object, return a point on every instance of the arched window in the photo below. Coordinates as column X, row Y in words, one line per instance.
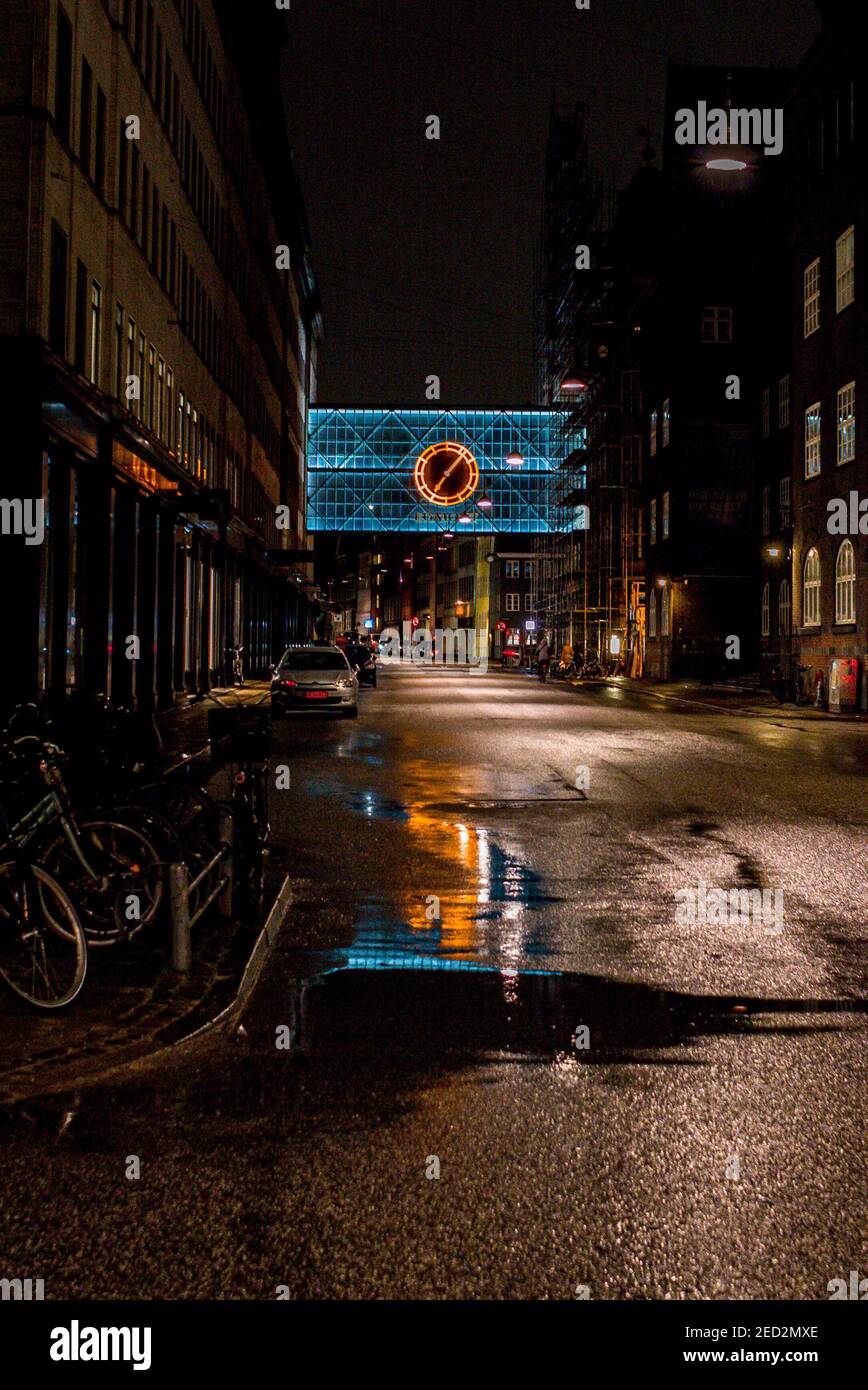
column 845, row 584
column 652, row 614
column 785, row 608
column 664, row 612
column 811, row 589
column 765, row 610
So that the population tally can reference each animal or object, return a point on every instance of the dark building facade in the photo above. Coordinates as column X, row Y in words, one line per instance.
column 159, row 324
column 827, row 183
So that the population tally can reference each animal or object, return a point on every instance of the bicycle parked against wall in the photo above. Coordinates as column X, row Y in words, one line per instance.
column 43, row 948
column 110, row 870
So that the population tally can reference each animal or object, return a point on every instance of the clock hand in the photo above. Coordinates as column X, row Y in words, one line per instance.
column 449, row 470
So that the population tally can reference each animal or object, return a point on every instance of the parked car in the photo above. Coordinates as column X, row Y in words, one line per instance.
column 363, row 660
column 315, row 680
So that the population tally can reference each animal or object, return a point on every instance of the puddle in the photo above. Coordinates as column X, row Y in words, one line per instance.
column 457, row 1006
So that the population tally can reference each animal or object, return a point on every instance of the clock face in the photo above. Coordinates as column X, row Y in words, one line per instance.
column 446, row 474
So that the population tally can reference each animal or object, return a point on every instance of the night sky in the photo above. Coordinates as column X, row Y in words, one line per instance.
column 425, row 250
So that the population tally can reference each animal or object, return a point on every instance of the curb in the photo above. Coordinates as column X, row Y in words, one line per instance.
column 184, row 1046
column 811, row 715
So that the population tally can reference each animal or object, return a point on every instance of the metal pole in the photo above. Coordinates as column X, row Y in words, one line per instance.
column 179, row 898
column 226, row 837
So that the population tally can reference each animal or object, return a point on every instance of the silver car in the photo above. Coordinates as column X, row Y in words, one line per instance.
column 315, row 680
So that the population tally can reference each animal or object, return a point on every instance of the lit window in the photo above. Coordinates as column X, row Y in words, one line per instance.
column 846, row 430
column 811, row 589
column 812, row 297
column 812, row 440
column 766, row 412
column 717, row 324
column 653, row 434
column 783, row 402
column 665, row 424
column 652, row 521
column 765, row 610
column 845, row 584
column 511, row 569
column 785, row 608
column 652, row 613
column 845, row 250
column 664, row 517
column 664, row 612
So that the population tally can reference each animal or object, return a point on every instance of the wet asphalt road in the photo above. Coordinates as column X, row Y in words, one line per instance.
column 462, row 913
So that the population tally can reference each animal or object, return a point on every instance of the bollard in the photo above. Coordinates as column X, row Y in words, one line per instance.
column 226, row 836
column 179, row 898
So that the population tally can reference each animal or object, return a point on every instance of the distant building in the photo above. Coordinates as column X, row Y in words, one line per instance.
column 158, row 349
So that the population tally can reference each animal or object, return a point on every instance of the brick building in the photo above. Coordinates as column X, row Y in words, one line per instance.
column 158, row 349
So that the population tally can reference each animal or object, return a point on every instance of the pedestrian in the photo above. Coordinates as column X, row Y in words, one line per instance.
column 542, row 657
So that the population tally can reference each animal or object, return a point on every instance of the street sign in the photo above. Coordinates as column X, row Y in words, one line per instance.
column 530, row 625
column 501, row 627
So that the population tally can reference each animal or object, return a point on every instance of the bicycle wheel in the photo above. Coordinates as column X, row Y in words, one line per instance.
column 129, row 888
column 193, row 814
column 40, row 963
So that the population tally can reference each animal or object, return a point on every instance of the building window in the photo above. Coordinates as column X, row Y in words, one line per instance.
column 159, row 416
column 846, row 432
column 652, row 522
column 652, row 614
column 767, row 511
column 812, row 440
column 99, row 144
column 785, row 608
column 845, row 250
column 80, row 344
column 528, row 569
column 528, row 602
column 845, row 584
column 57, row 291
column 513, row 603
column 150, row 388
column 784, row 501
column 512, row 569
column 95, row 330
column 783, row 402
column 766, row 425
column 717, row 324
column 63, row 76
column 765, row 610
column 665, row 425
column 665, row 599
column 119, row 350
column 811, row 589
column 84, row 116
column 664, row 517
column 812, row 297
column 652, row 438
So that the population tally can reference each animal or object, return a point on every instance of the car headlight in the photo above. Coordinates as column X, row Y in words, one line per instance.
column 345, row 682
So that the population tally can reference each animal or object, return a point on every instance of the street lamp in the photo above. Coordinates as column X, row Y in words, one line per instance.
column 484, row 502
column 572, row 382
column 464, row 519
column 515, row 459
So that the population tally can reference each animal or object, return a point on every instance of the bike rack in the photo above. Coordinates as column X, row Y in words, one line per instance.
column 181, row 890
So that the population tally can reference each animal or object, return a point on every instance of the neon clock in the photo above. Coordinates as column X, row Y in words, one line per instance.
column 446, row 474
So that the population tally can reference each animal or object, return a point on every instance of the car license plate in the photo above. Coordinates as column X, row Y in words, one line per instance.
column 316, row 694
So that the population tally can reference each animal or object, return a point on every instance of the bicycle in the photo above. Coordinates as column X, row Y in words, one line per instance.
column 240, row 737
column 44, row 966
column 111, row 870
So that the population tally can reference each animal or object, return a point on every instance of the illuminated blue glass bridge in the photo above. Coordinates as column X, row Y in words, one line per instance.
column 439, row 469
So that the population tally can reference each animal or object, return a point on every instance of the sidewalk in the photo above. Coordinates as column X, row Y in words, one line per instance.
column 133, row 1005
column 728, row 698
